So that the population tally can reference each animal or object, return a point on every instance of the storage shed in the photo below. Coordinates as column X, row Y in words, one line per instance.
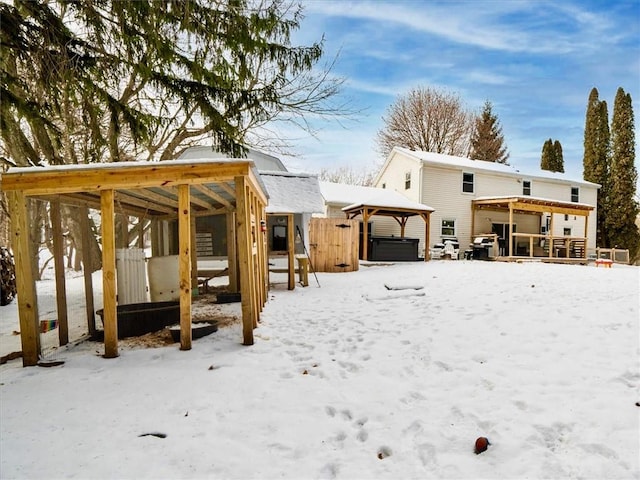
column 181, row 189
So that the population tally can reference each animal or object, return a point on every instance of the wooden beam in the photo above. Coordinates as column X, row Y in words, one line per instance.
column 125, row 202
column 427, row 225
column 214, row 196
column 243, row 229
column 511, row 229
column 109, row 315
column 184, row 258
column 232, row 252
column 121, row 176
column 365, row 234
column 58, row 261
column 291, row 284
column 87, row 269
column 25, row 282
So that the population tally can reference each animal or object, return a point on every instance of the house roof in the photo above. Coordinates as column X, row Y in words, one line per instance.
column 292, row 192
column 342, row 195
column 462, row 163
column 262, row 161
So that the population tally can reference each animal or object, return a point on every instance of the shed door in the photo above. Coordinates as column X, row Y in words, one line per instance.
column 333, row 244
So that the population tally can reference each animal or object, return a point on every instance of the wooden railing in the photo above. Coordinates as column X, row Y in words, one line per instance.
column 554, row 246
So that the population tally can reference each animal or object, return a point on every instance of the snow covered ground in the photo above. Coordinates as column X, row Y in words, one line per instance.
column 353, row 380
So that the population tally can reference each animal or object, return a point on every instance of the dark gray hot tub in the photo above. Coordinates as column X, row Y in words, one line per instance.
column 138, row 319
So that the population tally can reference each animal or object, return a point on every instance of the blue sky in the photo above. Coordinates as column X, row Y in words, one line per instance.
column 536, row 61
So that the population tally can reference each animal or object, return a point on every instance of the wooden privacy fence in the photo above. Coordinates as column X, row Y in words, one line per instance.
column 334, row 244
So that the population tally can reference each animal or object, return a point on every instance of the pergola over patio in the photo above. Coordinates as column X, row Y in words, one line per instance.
column 534, row 206
column 181, row 189
column 400, row 210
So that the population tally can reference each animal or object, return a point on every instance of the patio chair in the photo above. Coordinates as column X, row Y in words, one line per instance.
column 450, row 250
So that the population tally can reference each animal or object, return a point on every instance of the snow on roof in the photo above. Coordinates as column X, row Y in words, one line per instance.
column 538, row 199
column 350, row 196
column 292, row 192
column 467, row 163
column 263, row 161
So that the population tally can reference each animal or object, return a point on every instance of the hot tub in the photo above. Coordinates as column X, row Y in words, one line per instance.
column 138, row 319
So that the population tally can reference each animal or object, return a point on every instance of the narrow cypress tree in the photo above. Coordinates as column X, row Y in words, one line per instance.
column 487, row 141
column 622, row 207
column 546, row 162
column 596, row 158
column 558, row 158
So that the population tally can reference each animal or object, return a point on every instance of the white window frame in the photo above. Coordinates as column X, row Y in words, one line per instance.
column 577, row 194
column 442, row 227
column 407, row 180
column 473, row 182
column 526, row 184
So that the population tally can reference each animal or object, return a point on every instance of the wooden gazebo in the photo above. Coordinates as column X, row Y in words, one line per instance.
column 400, row 212
column 158, row 191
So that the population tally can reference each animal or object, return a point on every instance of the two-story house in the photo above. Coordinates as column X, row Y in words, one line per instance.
column 544, row 213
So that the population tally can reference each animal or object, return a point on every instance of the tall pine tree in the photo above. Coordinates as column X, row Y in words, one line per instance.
column 596, row 159
column 623, row 208
column 558, row 157
column 487, row 141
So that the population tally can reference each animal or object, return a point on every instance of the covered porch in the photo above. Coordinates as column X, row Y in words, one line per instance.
column 539, row 243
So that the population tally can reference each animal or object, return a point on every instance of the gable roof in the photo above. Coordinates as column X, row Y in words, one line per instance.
column 262, row 161
column 292, row 192
column 462, row 163
column 353, row 196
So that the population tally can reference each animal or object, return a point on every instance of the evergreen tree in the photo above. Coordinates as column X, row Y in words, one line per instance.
column 596, row 159
column 487, row 141
column 548, row 154
column 622, row 206
column 116, row 71
column 558, row 158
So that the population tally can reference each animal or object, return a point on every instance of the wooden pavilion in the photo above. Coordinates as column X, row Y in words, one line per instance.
column 399, row 212
column 182, row 190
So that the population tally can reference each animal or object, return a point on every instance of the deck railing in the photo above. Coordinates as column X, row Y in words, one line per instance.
column 529, row 245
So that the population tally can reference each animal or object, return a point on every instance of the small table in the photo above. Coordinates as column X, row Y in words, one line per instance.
column 605, row 262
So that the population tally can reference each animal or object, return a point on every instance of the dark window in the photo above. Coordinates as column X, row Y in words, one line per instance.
column 566, row 217
column 575, row 194
column 467, row 182
column 407, row 180
column 384, row 185
column 526, row 187
column 567, row 232
column 448, row 228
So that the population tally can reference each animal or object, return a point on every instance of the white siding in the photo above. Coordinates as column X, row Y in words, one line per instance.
column 440, row 187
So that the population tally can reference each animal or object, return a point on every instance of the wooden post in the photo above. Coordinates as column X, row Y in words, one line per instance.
column 87, row 268
column 109, row 316
column 243, row 230
column 194, row 255
column 58, row 259
column 473, row 221
column 427, row 240
column 25, row 283
column 586, row 224
column 184, row 259
column 232, row 252
column 291, row 252
column 510, row 229
column 550, row 232
column 531, row 246
column 365, row 234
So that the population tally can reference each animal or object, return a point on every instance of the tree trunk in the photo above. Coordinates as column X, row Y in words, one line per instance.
column 71, row 218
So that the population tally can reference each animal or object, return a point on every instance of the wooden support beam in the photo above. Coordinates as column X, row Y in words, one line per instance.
column 87, row 269
column 243, row 229
column 550, row 233
column 510, row 229
column 291, row 283
column 109, row 315
column 25, row 282
column 232, row 253
column 365, row 234
column 586, row 230
column 427, row 225
column 184, row 259
column 58, row 261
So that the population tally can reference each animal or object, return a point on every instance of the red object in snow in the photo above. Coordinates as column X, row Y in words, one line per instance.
column 481, row 445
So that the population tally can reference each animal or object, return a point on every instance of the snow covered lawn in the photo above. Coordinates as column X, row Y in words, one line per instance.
column 355, row 380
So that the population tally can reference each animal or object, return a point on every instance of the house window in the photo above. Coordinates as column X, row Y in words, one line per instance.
column 566, row 217
column 467, row 182
column 526, row 187
column 384, row 185
column 567, row 231
column 575, row 194
column 448, row 228
column 407, row 180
